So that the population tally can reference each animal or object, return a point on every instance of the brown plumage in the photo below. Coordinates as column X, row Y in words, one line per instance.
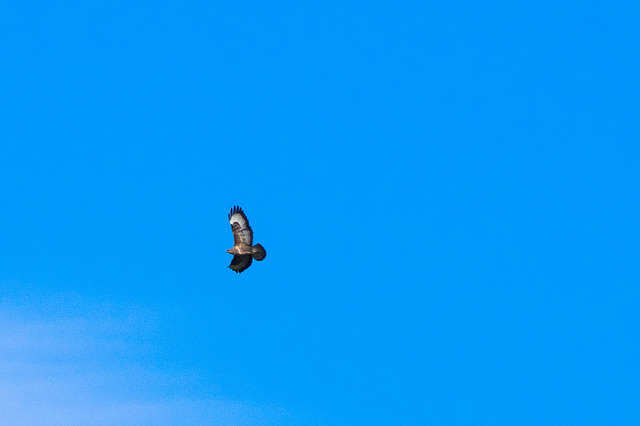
column 243, row 250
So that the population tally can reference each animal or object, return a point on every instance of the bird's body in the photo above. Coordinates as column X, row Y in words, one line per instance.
column 243, row 250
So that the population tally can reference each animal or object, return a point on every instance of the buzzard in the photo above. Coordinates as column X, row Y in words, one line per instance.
column 243, row 250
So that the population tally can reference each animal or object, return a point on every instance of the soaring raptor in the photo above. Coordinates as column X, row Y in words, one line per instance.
column 243, row 250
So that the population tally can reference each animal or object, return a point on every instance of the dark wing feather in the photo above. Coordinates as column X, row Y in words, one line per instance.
column 240, row 262
column 242, row 233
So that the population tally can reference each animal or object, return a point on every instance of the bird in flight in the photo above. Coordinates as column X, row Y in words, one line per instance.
column 243, row 250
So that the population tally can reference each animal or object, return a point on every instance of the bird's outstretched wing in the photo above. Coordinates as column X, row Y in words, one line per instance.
column 242, row 233
column 240, row 262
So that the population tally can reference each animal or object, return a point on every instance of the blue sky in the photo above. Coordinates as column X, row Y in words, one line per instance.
column 447, row 192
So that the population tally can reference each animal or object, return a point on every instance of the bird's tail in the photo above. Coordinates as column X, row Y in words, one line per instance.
column 258, row 252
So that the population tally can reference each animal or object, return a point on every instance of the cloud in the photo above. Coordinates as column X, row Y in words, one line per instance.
column 65, row 361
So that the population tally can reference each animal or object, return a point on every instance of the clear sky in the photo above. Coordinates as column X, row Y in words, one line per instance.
column 448, row 193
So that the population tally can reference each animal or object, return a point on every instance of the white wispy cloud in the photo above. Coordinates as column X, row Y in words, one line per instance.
column 69, row 362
